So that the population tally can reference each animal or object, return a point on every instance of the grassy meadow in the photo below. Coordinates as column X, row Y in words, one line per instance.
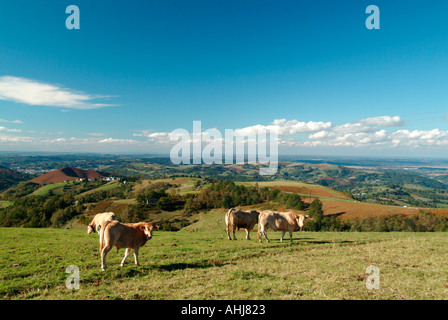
column 199, row 262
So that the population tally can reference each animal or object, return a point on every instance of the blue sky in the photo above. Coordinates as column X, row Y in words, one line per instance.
column 135, row 71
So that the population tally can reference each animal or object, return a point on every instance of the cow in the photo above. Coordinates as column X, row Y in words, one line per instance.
column 99, row 218
column 280, row 221
column 120, row 235
column 236, row 218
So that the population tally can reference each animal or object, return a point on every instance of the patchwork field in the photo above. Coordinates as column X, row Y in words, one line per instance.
column 303, row 189
column 336, row 203
column 198, row 262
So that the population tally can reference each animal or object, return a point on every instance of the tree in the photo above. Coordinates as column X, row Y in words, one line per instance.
column 316, row 211
column 316, row 214
column 227, row 201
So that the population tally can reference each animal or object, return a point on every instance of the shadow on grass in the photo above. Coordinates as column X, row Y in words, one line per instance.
column 305, row 241
column 135, row 271
column 194, row 265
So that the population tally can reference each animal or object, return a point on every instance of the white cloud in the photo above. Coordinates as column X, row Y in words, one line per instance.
column 32, row 92
column 419, row 138
column 371, row 133
column 383, row 121
column 372, row 136
column 366, row 133
column 2, row 128
column 6, row 139
column 320, row 135
column 352, row 128
column 287, row 127
column 160, row 138
column 11, row 121
column 361, row 133
column 118, row 141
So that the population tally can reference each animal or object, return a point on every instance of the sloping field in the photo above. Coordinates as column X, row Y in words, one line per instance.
column 185, row 184
column 349, row 209
column 302, row 188
column 56, row 188
column 336, row 203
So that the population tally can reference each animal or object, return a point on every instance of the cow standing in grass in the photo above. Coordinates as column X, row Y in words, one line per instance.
column 236, row 218
column 280, row 221
column 120, row 235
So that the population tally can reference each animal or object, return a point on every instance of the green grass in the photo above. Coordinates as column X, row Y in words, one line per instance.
column 205, row 265
column 4, row 204
column 104, row 187
column 73, row 186
column 55, row 187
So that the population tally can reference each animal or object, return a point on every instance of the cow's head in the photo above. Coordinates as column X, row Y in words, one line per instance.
column 300, row 219
column 90, row 229
column 148, row 228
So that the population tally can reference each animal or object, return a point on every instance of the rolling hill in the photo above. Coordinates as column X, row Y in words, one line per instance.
column 9, row 178
column 69, row 174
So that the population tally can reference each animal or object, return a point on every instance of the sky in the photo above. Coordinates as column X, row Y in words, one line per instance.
column 135, row 71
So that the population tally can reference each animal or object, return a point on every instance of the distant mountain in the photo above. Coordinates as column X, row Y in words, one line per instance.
column 9, row 178
column 67, row 173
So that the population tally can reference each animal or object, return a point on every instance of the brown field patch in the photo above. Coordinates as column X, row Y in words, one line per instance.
column 351, row 209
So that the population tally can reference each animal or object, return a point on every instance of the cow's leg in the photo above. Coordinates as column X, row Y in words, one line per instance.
column 265, row 235
column 228, row 232
column 247, row 234
column 283, row 234
column 290, row 235
column 104, row 253
column 127, row 252
column 234, row 228
column 259, row 233
column 136, row 256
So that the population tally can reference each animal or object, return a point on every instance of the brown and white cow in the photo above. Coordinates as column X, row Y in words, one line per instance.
column 99, row 218
column 279, row 221
column 129, row 236
column 236, row 218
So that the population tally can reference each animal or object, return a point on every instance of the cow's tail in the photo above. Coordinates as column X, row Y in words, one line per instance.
column 260, row 229
column 102, row 232
column 229, row 216
column 229, row 220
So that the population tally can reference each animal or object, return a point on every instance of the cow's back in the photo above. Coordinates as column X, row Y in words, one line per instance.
column 242, row 219
column 245, row 219
column 274, row 220
column 123, row 235
column 100, row 218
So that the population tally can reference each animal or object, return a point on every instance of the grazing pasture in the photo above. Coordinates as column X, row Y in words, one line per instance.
column 205, row 265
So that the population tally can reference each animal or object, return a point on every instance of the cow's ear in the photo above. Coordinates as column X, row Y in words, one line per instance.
column 156, row 227
column 142, row 227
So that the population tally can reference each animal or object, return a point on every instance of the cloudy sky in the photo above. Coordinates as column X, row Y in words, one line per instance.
column 312, row 70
